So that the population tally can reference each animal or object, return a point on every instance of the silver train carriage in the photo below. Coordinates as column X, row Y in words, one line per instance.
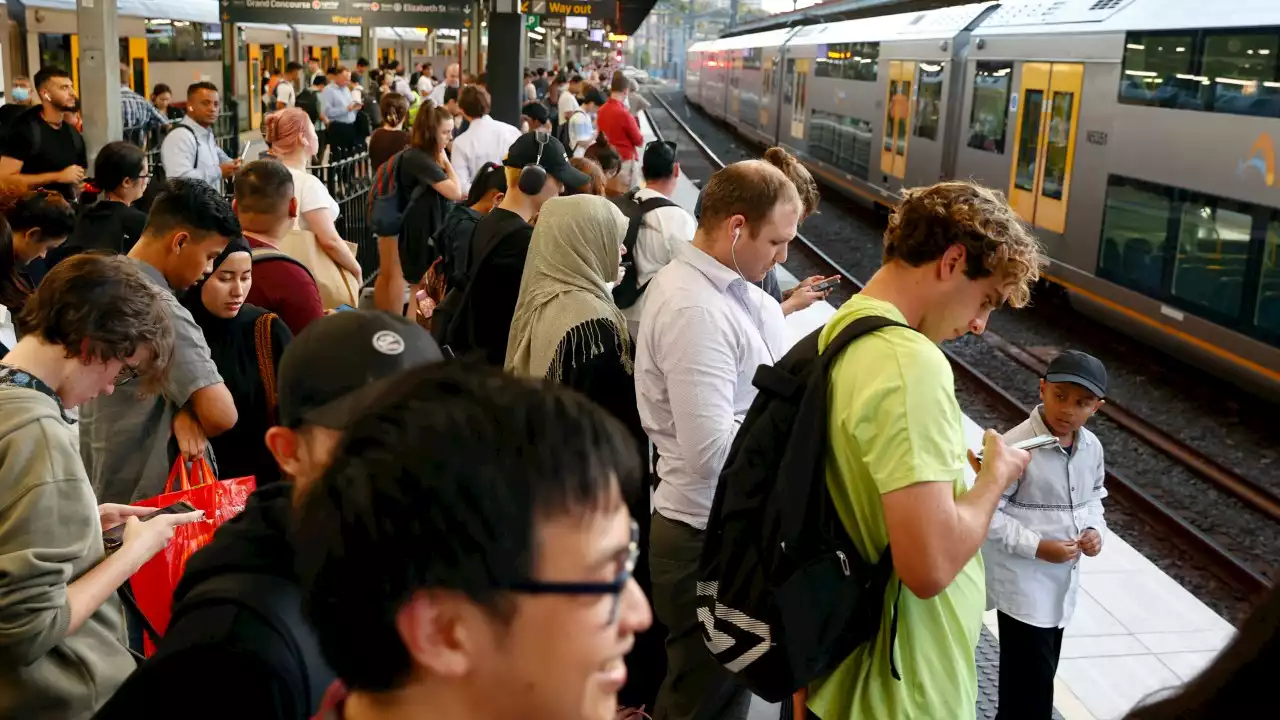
column 1137, row 137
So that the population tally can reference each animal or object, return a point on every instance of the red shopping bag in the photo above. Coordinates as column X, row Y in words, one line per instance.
column 221, row 500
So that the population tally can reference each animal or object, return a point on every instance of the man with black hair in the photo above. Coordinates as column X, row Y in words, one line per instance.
column 266, row 207
column 129, row 441
column 486, row 140
column 536, row 117
column 191, row 149
column 40, row 148
column 237, row 612
column 488, row 512
column 289, row 86
column 663, row 230
column 460, row 122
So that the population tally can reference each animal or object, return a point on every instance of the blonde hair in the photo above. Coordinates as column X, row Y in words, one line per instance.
column 930, row 220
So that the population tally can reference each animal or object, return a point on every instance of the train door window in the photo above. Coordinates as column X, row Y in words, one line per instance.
column 1241, row 65
column 1044, row 144
column 798, row 107
column 789, row 82
column 1135, row 228
column 990, row 112
column 1213, row 254
column 55, row 50
column 897, row 118
column 929, row 100
column 1266, row 315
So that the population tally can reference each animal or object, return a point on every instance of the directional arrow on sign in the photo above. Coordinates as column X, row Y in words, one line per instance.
column 539, row 7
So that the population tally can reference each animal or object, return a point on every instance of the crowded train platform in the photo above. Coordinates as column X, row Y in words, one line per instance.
column 418, row 392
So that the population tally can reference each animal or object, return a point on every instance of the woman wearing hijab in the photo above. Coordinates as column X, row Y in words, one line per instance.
column 567, row 329
column 246, row 343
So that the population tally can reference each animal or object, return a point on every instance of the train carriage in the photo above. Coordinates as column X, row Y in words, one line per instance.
column 1137, row 137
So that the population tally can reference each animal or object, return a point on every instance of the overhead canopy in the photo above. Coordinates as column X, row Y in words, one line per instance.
column 631, row 13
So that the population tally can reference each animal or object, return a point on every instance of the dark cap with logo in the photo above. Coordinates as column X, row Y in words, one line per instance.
column 336, row 366
column 524, row 151
column 1085, row 370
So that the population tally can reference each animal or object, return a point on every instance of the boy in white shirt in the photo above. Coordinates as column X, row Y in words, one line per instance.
column 1042, row 524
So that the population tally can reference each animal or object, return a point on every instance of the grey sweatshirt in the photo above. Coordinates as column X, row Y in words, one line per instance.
column 50, row 535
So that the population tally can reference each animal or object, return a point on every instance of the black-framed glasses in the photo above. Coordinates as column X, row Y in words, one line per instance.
column 615, row 588
column 126, row 375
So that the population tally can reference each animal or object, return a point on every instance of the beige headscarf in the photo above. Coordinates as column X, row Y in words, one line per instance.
column 573, row 257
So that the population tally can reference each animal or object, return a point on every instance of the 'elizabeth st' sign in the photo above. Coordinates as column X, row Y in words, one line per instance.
column 442, row 13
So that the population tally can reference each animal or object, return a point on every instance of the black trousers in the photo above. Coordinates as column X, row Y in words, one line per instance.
column 1028, row 662
column 697, row 687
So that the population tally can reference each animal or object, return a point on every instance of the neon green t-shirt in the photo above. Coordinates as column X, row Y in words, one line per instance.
column 895, row 422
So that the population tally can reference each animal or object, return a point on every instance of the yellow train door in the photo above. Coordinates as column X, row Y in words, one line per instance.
column 800, row 101
column 897, row 117
column 1044, row 142
column 139, row 66
column 766, row 92
column 255, row 86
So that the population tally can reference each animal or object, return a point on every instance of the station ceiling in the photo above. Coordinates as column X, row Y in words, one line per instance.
column 631, row 13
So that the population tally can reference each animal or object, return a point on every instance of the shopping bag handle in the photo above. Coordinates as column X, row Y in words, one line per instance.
column 200, row 471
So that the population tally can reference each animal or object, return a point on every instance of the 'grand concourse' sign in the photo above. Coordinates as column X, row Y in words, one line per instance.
column 441, row 13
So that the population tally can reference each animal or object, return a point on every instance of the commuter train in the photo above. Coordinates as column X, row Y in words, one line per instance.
column 178, row 42
column 1137, row 138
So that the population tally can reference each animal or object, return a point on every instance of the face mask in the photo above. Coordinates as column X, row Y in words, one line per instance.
column 21, row 94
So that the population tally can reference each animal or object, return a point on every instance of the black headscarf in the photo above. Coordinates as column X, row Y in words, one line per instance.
column 233, row 348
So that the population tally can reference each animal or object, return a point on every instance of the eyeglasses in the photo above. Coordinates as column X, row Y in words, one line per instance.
column 126, row 374
column 615, row 588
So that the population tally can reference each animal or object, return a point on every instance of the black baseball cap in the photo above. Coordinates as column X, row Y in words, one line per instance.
column 659, row 159
column 1083, row 369
column 524, row 151
column 341, row 362
column 537, row 111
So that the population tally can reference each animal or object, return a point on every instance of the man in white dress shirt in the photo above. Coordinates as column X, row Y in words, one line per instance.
column 705, row 328
column 485, row 141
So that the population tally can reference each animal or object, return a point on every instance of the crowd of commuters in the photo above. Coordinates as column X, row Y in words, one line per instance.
column 497, row 506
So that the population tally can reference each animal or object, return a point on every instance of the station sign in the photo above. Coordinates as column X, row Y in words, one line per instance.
column 597, row 9
column 432, row 13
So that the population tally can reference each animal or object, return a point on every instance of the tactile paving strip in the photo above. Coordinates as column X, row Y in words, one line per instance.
column 988, row 660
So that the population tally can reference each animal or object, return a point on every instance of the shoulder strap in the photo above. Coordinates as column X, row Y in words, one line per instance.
column 264, row 254
column 856, row 329
column 266, row 361
column 499, row 231
column 655, row 203
column 278, row 603
column 194, row 139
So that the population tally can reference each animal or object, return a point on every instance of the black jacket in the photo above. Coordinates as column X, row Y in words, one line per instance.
column 223, row 659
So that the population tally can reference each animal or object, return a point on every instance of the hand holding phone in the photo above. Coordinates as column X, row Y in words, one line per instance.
column 114, row 537
column 826, row 285
column 1034, row 443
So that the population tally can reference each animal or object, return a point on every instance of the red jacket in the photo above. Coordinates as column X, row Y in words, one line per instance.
column 620, row 129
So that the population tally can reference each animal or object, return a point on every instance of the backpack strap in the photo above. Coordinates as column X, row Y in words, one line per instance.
column 500, row 231
column 266, row 361
column 636, row 210
column 194, row 139
column 278, row 604
column 264, row 254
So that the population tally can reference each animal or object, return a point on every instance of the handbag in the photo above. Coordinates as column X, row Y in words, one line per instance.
column 266, row 362
column 221, row 500
column 336, row 285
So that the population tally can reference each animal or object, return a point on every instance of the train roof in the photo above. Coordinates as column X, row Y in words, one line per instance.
column 768, row 38
column 1061, row 17
column 922, row 25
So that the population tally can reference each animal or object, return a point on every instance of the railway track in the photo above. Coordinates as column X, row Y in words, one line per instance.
column 1217, row 559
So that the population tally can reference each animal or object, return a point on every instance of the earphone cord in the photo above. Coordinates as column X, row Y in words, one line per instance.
column 759, row 317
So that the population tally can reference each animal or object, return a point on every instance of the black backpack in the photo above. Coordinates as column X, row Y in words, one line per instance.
column 627, row 292
column 452, row 323
column 453, row 242
column 786, row 595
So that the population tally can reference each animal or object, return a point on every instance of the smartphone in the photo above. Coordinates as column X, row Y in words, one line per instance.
column 114, row 537
column 1034, row 443
column 825, row 285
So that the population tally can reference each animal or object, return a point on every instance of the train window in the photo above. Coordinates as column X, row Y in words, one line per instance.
column 1226, row 71
column 180, row 40
column 990, row 111
column 841, row 141
column 1158, row 70
column 1266, row 315
column 55, row 50
column 929, row 100
column 751, row 59
column 1055, row 157
column 848, row 61
column 1213, row 254
column 1239, row 70
column 1135, row 228
column 1028, row 140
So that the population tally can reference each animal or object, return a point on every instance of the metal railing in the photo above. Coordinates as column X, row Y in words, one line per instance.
column 349, row 176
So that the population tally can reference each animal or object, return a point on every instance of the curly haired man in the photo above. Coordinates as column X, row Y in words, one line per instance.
column 953, row 252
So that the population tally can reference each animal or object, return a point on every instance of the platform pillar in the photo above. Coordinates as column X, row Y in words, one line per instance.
column 99, row 75
column 506, row 69
column 369, row 47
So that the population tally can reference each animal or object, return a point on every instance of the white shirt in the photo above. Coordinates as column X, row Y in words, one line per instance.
column 285, row 93
column 486, row 140
column 424, row 84
column 567, row 104
column 437, row 94
column 194, row 154
column 661, row 232
column 582, row 132
column 703, row 333
column 312, row 195
column 1058, row 497
column 401, row 86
